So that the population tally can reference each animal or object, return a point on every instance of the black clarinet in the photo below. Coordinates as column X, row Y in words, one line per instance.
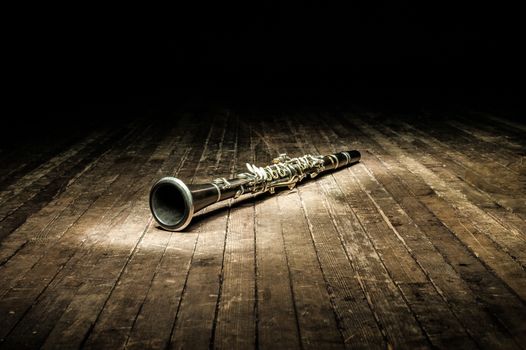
column 173, row 203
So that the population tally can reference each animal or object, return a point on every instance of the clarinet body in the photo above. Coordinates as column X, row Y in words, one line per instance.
column 173, row 203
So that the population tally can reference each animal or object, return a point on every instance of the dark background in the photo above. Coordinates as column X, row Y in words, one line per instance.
column 69, row 65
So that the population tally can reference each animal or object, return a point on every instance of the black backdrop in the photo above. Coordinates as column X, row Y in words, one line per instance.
column 92, row 62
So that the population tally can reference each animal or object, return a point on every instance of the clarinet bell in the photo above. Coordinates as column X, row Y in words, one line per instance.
column 173, row 203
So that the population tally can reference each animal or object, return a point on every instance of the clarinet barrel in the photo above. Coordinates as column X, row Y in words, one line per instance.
column 173, row 203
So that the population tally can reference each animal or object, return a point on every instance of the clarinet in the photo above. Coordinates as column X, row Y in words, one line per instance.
column 173, row 203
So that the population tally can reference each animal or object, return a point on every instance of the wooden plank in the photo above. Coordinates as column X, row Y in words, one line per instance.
column 32, row 177
column 48, row 224
column 506, row 187
column 76, row 264
column 502, row 226
column 25, row 192
column 40, row 258
column 117, row 265
column 495, row 296
column 317, row 324
column 153, row 324
column 104, row 334
column 472, row 148
column 113, row 325
column 511, row 242
column 87, row 269
column 466, row 143
column 33, row 274
column 496, row 232
column 197, row 311
column 441, row 164
column 20, row 159
column 317, row 320
column 497, row 148
column 507, row 124
column 486, row 133
column 448, row 291
column 489, row 132
column 277, row 324
column 18, row 208
column 235, row 326
column 517, row 161
column 504, row 266
column 396, row 319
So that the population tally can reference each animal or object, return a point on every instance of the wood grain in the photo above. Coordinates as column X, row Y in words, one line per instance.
column 420, row 245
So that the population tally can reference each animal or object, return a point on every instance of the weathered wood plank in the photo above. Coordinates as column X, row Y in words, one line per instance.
column 441, row 164
column 510, row 126
column 47, row 225
column 494, row 147
column 479, row 231
column 396, row 319
column 484, row 285
column 487, row 134
column 19, row 207
column 153, row 324
column 18, row 159
column 82, row 267
column 112, row 327
column 317, row 320
column 503, row 227
column 333, row 226
column 502, row 184
column 16, row 302
column 235, row 326
column 276, row 314
column 195, row 319
column 30, row 178
column 449, row 286
column 74, row 329
column 398, row 251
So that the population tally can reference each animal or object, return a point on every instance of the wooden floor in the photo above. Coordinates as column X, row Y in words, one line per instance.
column 421, row 245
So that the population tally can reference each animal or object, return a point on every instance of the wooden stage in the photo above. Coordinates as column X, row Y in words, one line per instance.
column 421, row 245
